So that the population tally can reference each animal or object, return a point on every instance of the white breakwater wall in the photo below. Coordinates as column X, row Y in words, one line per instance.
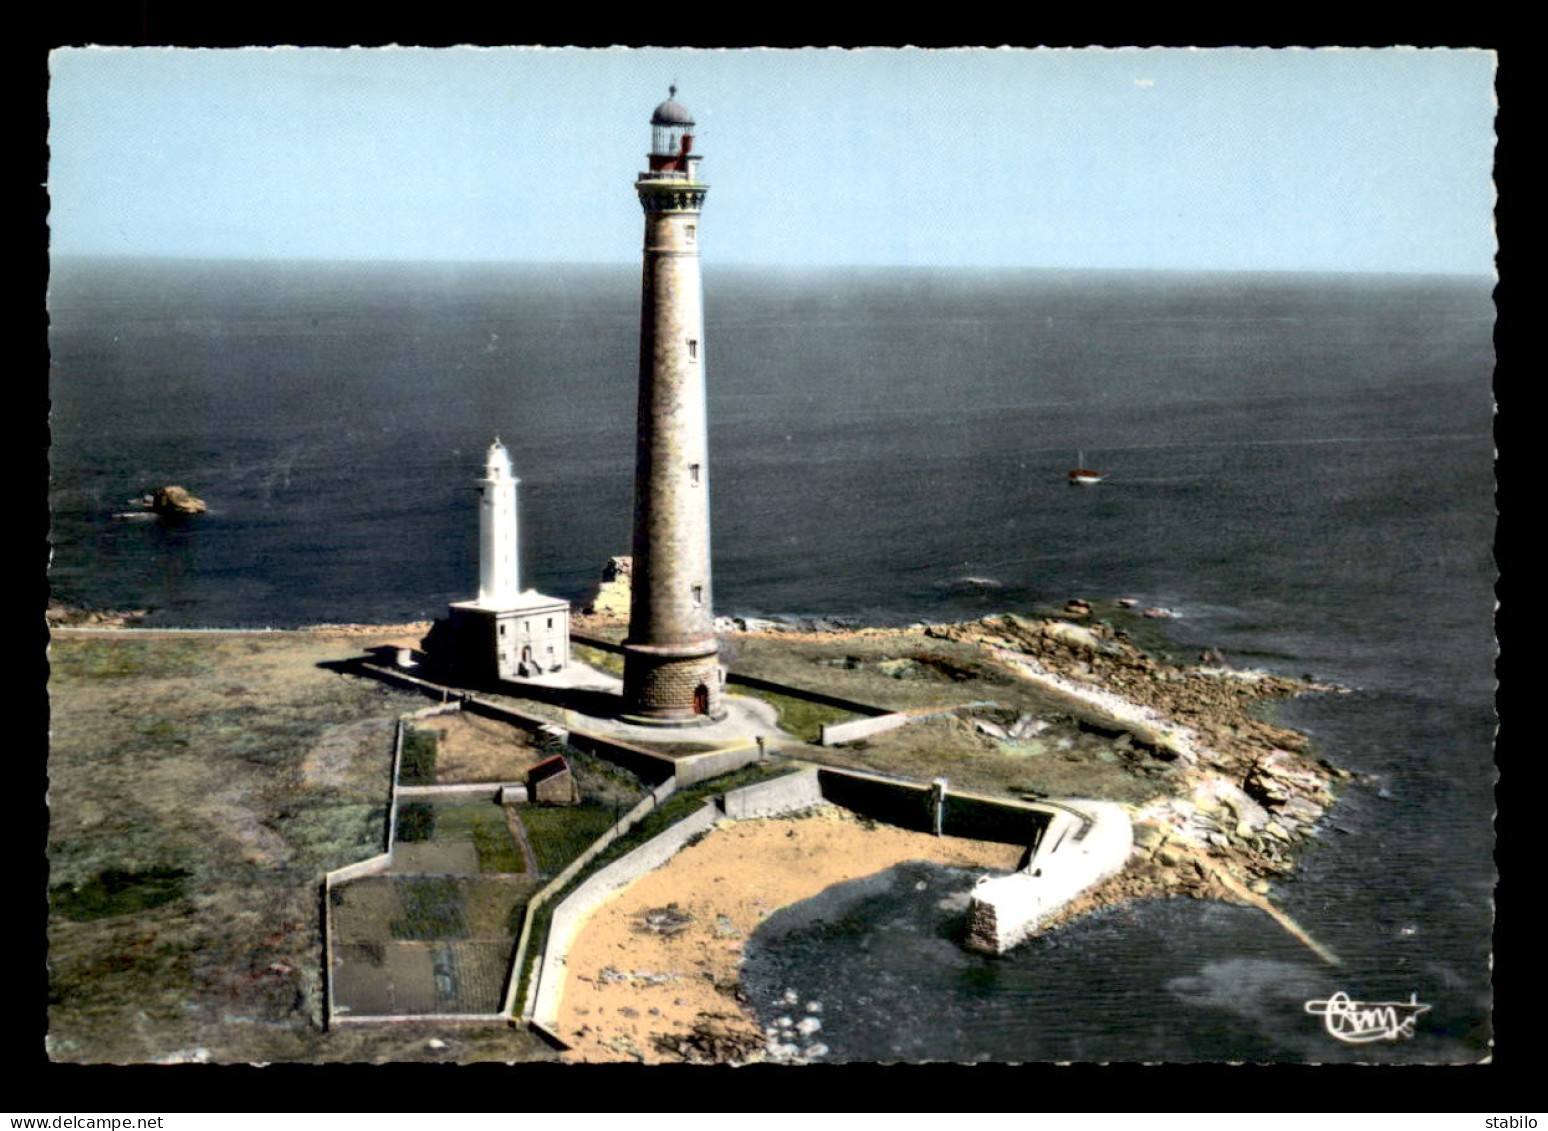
column 1074, row 855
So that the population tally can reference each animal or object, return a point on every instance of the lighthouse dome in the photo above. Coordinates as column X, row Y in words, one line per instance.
column 671, row 113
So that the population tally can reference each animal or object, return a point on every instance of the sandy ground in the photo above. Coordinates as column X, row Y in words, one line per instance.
column 629, row 984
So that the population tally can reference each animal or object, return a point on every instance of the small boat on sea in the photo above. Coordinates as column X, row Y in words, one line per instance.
column 1083, row 476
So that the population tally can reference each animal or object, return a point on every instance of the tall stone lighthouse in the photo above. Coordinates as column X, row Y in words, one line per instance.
column 671, row 666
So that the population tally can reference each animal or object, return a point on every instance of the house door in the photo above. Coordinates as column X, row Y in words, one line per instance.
column 701, row 700
column 526, row 660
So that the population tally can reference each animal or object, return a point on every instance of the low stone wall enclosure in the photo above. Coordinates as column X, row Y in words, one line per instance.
column 649, row 766
column 1070, row 845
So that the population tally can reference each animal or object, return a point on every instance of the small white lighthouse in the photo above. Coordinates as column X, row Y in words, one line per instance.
column 506, row 632
column 499, row 576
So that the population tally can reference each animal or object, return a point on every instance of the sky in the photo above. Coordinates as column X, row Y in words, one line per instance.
column 1371, row 160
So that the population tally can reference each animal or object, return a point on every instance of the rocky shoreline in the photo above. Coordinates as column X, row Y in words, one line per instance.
column 1245, row 795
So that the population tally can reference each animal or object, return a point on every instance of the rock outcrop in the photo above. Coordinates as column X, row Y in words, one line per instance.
column 613, row 594
column 68, row 616
column 173, row 500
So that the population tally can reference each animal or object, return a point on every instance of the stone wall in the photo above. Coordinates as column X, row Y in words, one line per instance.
column 701, row 767
column 905, row 804
column 835, row 733
column 759, row 684
column 789, row 794
column 1087, row 852
column 518, row 958
column 649, row 766
column 1074, row 855
column 570, row 915
column 993, row 819
column 490, row 790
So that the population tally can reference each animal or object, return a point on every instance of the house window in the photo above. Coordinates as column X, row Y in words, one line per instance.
column 693, row 349
column 502, row 630
column 550, row 625
column 693, row 474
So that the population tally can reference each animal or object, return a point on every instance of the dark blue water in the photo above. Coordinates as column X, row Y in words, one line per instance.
column 1301, row 465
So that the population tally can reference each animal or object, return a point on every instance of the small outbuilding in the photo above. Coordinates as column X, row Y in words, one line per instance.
column 550, row 782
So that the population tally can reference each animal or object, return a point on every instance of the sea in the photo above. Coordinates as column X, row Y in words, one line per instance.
column 1301, row 466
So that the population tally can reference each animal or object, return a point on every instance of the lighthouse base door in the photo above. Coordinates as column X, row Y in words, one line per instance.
column 701, row 700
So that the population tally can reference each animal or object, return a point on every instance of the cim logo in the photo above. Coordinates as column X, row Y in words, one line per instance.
column 1359, row 1022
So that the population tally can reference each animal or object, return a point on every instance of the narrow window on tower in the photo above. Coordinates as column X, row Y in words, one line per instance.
column 693, row 349
column 693, row 474
column 698, row 594
column 691, row 233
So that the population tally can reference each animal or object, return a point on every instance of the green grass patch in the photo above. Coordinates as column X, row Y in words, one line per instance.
column 483, row 823
column 800, row 717
column 610, row 662
column 419, row 751
column 416, row 821
column 432, row 908
column 560, row 833
column 496, row 851
column 115, row 892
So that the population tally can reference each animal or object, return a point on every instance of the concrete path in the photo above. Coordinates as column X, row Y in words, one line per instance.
column 745, row 720
column 575, row 676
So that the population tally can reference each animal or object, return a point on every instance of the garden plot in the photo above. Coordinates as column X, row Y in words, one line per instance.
column 406, row 945
column 460, row 835
column 463, row 748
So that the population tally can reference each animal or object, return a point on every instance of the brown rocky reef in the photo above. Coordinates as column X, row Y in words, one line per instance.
column 1248, row 793
column 172, row 500
column 60, row 615
column 612, row 599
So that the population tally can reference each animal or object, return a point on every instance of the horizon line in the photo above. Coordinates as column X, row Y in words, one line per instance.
column 770, row 265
